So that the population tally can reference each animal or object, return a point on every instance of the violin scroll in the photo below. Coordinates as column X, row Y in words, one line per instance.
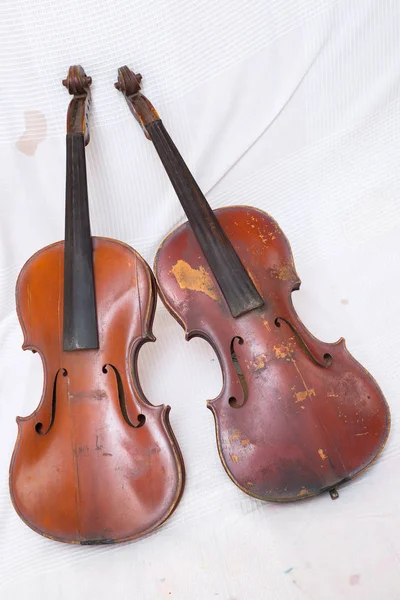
column 78, row 85
column 77, row 82
column 128, row 82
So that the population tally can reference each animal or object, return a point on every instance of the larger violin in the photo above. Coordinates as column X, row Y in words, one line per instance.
column 95, row 463
column 296, row 416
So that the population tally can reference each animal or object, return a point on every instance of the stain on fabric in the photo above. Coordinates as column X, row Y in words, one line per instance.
column 35, row 132
column 354, row 579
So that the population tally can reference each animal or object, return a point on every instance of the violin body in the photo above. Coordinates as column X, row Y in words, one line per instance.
column 95, row 462
column 295, row 416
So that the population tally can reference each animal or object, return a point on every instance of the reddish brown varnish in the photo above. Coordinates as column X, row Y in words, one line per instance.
column 304, row 426
column 96, row 462
column 295, row 416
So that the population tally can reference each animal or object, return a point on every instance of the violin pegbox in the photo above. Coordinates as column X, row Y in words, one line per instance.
column 129, row 85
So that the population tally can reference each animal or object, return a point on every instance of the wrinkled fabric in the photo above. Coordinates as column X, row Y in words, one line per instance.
column 292, row 106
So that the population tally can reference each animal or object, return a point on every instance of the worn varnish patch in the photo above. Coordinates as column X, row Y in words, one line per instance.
column 235, row 435
column 35, row 132
column 196, row 280
column 283, row 272
column 260, row 362
column 301, row 396
column 322, row 454
column 286, row 351
column 266, row 325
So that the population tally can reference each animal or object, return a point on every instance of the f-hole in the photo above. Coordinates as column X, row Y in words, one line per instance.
column 232, row 400
column 39, row 425
column 122, row 400
column 326, row 357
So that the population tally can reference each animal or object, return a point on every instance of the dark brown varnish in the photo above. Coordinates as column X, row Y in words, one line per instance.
column 95, row 463
column 296, row 416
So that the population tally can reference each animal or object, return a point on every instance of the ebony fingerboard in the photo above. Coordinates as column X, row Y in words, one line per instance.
column 80, row 318
column 229, row 272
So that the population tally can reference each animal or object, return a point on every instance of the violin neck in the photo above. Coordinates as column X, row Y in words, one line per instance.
column 80, row 318
column 236, row 285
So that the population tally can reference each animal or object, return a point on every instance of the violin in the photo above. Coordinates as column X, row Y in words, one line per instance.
column 95, row 463
column 296, row 416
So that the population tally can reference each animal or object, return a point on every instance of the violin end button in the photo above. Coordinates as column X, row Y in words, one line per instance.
column 334, row 494
column 117, row 86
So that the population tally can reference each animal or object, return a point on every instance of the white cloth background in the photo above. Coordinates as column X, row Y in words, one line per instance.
column 292, row 106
